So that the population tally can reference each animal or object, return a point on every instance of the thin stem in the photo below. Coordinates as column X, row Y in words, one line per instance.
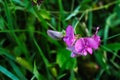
column 90, row 9
column 78, row 21
column 116, row 35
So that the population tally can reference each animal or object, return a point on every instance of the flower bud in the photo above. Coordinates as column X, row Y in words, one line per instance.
column 55, row 34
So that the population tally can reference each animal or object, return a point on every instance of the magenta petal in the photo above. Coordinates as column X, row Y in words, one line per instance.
column 91, row 43
column 70, row 31
column 89, row 50
column 69, row 37
column 84, row 53
column 96, row 38
column 79, row 45
column 68, row 41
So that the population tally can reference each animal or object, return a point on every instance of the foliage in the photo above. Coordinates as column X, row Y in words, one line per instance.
column 28, row 53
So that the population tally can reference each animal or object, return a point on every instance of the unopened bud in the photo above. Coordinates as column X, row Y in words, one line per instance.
column 55, row 34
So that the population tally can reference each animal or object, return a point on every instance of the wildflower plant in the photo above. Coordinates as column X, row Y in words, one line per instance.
column 78, row 46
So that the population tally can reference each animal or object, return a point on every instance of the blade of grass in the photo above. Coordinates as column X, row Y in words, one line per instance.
column 72, row 5
column 41, row 53
column 106, row 30
column 10, row 27
column 61, row 76
column 107, row 49
column 46, row 62
column 115, row 64
column 116, row 35
column 8, row 73
column 6, row 53
column 78, row 21
column 100, row 74
column 61, row 15
column 18, row 2
column 90, row 19
column 35, row 12
column 74, row 13
column 37, row 74
column 17, row 70
column 72, row 75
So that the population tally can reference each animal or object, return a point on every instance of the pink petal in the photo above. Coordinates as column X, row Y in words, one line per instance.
column 89, row 50
column 84, row 53
column 69, row 37
column 68, row 41
column 96, row 37
column 79, row 45
column 70, row 31
column 91, row 43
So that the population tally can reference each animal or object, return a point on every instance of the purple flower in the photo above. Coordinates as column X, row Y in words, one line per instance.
column 82, row 46
column 69, row 38
column 85, row 45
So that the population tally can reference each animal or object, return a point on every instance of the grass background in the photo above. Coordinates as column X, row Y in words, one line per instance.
column 28, row 53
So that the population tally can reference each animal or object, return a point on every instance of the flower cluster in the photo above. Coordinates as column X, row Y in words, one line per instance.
column 80, row 46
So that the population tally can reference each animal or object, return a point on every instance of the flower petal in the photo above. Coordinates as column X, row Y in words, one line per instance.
column 70, row 31
column 89, row 50
column 96, row 37
column 91, row 43
column 69, row 37
column 84, row 52
column 79, row 45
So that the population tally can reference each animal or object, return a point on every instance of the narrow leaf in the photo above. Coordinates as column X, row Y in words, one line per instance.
column 8, row 73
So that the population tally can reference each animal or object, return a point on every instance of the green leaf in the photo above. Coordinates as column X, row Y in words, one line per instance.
column 74, row 13
column 17, row 70
column 45, row 14
column 113, row 46
column 8, row 73
column 64, row 60
column 39, row 17
column 113, row 20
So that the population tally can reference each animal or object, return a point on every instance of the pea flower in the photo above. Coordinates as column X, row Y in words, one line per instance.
column 81, row 46
column 78, row 46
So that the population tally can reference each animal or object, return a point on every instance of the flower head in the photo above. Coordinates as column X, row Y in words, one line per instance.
column 82, row 46
column 78, row 46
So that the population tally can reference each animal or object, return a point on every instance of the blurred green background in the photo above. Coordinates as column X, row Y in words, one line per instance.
column 28, row 53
